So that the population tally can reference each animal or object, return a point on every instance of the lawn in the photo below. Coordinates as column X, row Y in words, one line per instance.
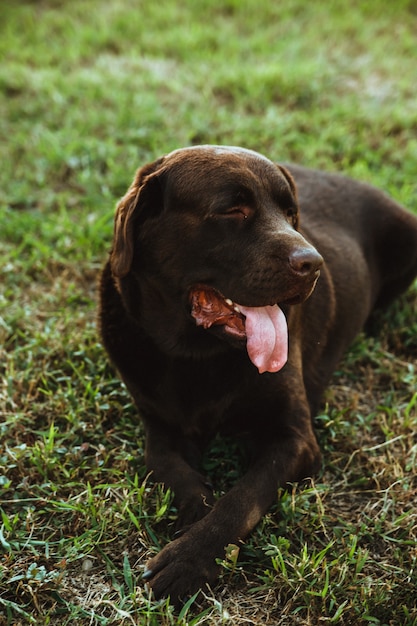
column 89, row 91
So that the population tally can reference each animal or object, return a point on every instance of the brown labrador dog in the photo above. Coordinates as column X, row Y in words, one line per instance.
column 211, row 313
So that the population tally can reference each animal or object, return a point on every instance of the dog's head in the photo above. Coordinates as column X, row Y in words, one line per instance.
column 206, row 239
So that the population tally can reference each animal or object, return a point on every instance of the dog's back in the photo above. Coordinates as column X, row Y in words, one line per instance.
column 338, row 214
column 369, row 243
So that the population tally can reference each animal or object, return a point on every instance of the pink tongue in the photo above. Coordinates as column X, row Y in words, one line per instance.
column 267, row 337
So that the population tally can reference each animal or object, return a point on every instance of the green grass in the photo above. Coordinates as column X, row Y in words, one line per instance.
column 89, row 91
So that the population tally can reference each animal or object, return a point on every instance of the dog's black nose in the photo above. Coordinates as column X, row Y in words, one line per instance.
column 305, row 261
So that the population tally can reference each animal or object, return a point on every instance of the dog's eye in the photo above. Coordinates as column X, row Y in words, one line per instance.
column 238, row 212
column 291, row 214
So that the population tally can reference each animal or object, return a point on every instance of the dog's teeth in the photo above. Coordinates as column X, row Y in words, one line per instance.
column 236, row 308
column 229, row 302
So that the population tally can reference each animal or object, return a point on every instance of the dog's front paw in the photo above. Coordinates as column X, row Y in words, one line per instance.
column 183, row 567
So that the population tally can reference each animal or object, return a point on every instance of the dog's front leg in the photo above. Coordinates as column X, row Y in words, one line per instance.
column 172, row 458
column 188, row 563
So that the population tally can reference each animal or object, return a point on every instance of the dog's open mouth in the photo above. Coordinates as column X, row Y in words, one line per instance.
column 264, row 328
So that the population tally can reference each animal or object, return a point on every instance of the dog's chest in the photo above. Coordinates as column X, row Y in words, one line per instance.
column 203, row 406
column 197, row 397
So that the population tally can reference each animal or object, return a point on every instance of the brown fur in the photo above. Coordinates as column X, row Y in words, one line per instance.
column 178, row 226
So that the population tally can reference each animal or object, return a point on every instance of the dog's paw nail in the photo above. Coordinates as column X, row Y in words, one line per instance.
column 147, row 574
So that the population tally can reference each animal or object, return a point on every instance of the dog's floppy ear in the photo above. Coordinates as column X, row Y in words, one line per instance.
column 291, row 182
column 142, row 193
